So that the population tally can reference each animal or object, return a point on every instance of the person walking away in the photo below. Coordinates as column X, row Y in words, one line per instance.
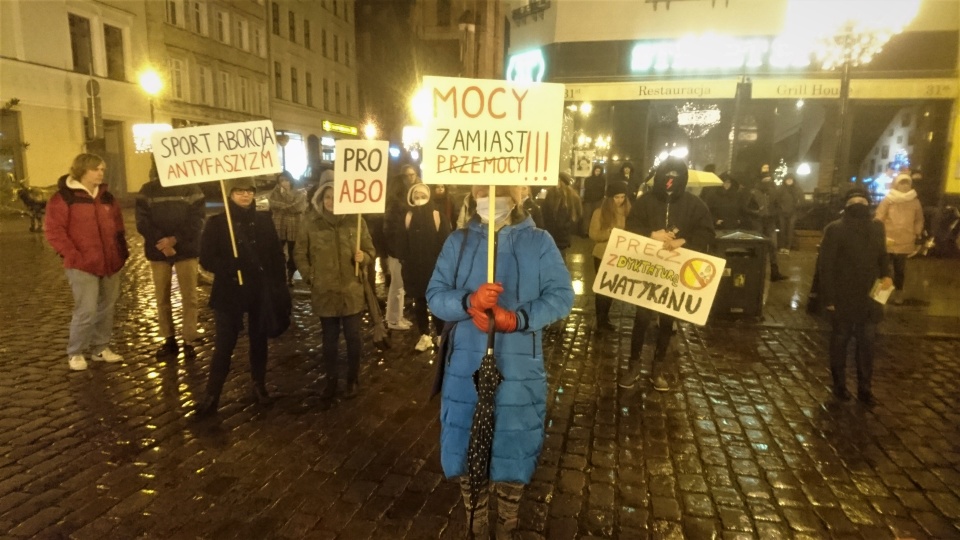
column 594, row 188
column 788, row 199
column 35, row 206
column 562, row 211
column 670, row 215
column 726, row 204
column 287, row 206
column 532, row 290
column 260, row 261
column 395, row 233
column 84, row 226
column 531, row 207
column 902, row 218
column 611, row 214
column 761, row 215
column 853, row 257
column 426, row 230
column 170, row 219
column 327, row 254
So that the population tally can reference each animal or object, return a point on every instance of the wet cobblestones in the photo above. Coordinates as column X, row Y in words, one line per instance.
column 747, row 444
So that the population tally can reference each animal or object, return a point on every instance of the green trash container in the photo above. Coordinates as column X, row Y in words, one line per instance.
column 743, row 286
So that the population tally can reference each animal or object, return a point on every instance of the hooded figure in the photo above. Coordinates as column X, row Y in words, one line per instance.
column 326, row 254
column 902, row 217
column 533, row 289
column 678, row 219
column 425, row 230
column 611, row 214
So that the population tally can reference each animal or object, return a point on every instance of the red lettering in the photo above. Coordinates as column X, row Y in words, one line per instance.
column 490, row 103
column 443, row 97
column 463, row 105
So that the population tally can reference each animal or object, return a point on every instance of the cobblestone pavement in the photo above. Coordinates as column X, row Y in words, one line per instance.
column 748, row 445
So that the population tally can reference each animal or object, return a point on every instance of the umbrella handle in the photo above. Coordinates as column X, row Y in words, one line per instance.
column 491, row 330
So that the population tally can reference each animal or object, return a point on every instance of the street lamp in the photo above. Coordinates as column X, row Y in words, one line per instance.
column 152, row 84
column 370, row 130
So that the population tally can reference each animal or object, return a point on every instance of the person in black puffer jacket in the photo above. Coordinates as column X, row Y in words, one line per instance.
column 171, row 220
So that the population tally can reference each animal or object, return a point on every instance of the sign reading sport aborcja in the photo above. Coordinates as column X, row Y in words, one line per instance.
column 218, row 152
column 681, row 283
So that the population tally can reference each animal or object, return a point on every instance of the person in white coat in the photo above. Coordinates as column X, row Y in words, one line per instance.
column 902, row 217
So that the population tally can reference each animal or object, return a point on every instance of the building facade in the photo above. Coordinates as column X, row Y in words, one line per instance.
column 465, row 37
column 717, row 81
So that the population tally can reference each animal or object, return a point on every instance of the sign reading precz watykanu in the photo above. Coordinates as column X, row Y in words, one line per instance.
column 217, row 152
column 680, row 283
column 492, row 132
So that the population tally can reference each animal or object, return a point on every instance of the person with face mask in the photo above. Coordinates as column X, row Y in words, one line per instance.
column 670, row 215
column 532, row 290
column 853, row 256
column 426, row 230
column 259, row 259
column 326, row 254
column 787, row 202
column 902, row 217
column 612, row 214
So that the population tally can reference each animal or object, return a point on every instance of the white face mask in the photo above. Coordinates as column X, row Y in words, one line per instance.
column 502, row 208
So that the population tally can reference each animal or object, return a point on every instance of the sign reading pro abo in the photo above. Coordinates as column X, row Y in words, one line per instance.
column 360, row 177
column 218, row 152
column 680, row 283
column 492, row 132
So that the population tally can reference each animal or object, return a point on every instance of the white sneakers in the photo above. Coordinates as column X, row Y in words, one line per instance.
column 425, row 343
column 106, row 355
column 77, row 362
column 402, row 324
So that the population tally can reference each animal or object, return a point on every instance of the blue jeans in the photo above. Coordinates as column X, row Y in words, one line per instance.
column 94, row 299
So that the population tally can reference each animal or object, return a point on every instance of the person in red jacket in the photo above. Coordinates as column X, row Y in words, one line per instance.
column 85, row 227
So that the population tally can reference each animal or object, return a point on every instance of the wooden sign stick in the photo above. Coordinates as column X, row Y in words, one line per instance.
column 233, row 239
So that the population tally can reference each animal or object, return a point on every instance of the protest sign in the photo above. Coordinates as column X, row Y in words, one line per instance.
column 360, row 177
column 681, row 283
column 584, row 162
column 492, row 132
column 217, row 152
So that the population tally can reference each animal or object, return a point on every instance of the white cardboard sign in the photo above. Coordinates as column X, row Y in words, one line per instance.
column 218, row 152
column 681, row 283
column 492, row 132
column 360, row 177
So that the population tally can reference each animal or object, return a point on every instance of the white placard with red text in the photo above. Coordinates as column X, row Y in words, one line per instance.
column 681, row 283
column 492, row 132
column 218, row 152
column 360, row 177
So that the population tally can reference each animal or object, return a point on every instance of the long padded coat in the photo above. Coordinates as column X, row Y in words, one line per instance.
column 536, row 285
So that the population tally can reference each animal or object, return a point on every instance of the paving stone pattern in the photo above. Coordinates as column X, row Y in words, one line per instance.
column 747, row 445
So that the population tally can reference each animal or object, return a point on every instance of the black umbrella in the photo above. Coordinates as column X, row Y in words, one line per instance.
column 487, row 378
column 376, row 318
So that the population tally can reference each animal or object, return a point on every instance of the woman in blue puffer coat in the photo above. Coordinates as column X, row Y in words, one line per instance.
column 532, row 290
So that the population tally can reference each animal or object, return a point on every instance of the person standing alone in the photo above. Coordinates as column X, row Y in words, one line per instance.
column 171, row 221
column 902, row 218
column 85, row 227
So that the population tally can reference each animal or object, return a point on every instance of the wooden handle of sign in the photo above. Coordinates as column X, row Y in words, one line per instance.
column 356, row 265
column 233, row 239
column 491, row 234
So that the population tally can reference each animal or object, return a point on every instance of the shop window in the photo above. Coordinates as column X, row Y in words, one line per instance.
column 81, row 44
column 113, row 42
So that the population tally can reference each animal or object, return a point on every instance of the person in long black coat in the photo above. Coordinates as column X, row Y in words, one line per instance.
column 259, row 259
column 853, row 256
column 425, row 231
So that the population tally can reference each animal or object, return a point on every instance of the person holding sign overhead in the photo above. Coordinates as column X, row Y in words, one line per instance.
column 259, row 260
column 532, row 290
column 326, row 254
column 678, row 219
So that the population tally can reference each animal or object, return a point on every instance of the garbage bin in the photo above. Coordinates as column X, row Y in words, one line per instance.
column 743, row 286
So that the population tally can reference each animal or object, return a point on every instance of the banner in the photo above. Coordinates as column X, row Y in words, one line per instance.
column 218, row 152
column 360, row 177
column 492, row 132
column 680, row 283
column 584, row 162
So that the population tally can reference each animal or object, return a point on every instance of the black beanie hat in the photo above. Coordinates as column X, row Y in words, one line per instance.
column 616, row 187
column 856, row 192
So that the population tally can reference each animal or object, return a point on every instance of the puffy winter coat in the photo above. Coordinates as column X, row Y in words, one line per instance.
column 853, row 256
column 902, row 216
column 176, row 211
column 537, row 286
column 324, row 256
column 86, row 231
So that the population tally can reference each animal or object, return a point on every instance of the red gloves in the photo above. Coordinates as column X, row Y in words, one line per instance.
column 485, row 297
column 503, row 320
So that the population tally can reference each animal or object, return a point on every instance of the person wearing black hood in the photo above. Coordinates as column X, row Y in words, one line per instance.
column 761, row 212
column 633, row 180
column 678, row 219
column 726, row 204
column 853, row 256
column 594, row 188
column 259, row 258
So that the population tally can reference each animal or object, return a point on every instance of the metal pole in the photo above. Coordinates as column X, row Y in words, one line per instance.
column 732, row 152
column 839, row 165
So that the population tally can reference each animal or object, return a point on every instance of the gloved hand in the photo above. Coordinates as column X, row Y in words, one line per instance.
column 504, row 319
column 485, row 297
column 480, row 319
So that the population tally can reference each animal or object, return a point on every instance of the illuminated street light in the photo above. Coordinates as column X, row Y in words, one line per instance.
column 152, row 85
column 586, row 108
column 370, row 130
column 421, row 107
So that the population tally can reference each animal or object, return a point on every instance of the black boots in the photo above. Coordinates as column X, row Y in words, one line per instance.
column 260, row 394
column 207, row 407
column 169, row 348
column 775, row 274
